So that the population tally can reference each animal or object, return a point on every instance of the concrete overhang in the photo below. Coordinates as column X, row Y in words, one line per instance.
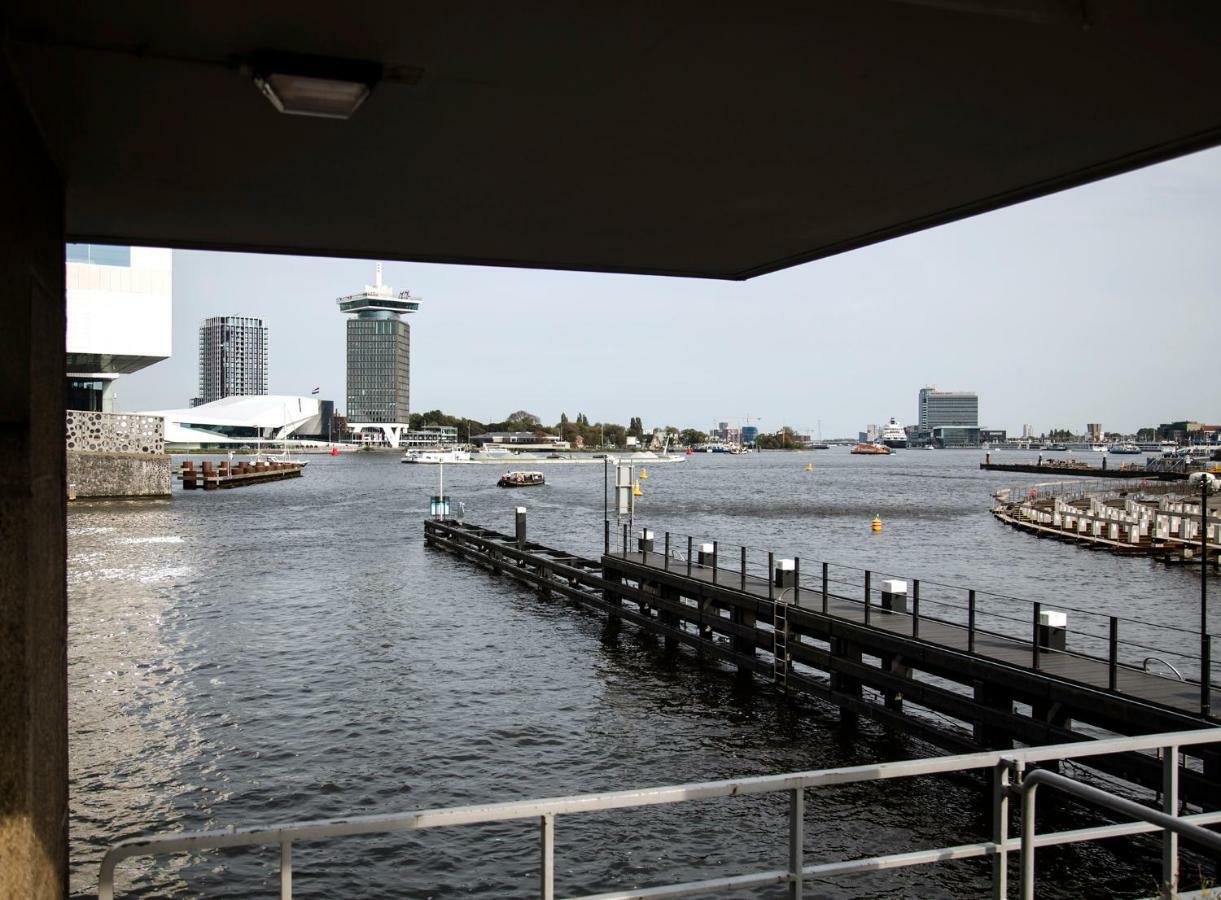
column 710, row 139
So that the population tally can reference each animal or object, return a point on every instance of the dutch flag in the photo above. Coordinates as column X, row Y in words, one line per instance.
column 316, row 390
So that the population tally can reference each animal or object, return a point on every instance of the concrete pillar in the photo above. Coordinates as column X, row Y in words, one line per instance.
column 33, row 607
column 645, row 542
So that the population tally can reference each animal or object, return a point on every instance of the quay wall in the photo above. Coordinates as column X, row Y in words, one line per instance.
column 116, row 455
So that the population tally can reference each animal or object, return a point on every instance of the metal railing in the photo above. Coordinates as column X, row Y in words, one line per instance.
column 1008, row 767
column 1118, row 642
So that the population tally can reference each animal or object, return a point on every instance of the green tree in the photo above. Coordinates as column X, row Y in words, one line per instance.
column 691, row 436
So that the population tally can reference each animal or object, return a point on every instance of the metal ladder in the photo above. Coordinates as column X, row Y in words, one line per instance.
column 780, row 643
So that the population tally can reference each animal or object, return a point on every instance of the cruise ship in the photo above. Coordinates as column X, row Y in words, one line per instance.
column 893, row 435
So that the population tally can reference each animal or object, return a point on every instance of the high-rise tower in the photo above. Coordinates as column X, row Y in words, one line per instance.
column 232, row 358
column 379, row 357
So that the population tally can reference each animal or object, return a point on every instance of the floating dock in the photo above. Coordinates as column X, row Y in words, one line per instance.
column 976, row 671
column 1058, row 468
column 211, row 476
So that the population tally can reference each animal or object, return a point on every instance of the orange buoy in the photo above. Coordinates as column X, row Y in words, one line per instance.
column 876, row 524
column 334, row 451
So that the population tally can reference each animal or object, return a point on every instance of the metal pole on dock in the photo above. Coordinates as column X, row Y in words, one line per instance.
column 606, row 500
column 666, row 564
column 824, row 587
column 1034, row 637
column 1205, row 668
column 688, row 556
column 971, row 621
column 1113, row 656
column 771, row 575
column 744, row 569
column 867, row 596
column 915, row 607
column 797, row 581
column 714, row 561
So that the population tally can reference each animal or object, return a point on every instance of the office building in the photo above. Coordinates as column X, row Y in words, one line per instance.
column 119, row 318
column 955, row 409
column 379, row 360
column 1093, row 431
column 232, row 358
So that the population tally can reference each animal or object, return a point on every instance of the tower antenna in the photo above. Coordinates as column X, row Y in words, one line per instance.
column 378, row 282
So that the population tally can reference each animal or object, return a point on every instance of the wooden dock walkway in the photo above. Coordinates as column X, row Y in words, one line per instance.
column 985, row 690
column 231, row 475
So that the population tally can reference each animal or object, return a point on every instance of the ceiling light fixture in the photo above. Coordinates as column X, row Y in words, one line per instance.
column 320, row 86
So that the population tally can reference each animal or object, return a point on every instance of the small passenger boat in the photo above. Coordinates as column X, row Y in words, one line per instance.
column 521, row 479
column 872, row 449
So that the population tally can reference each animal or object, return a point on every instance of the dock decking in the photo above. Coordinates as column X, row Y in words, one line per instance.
column 984, row 689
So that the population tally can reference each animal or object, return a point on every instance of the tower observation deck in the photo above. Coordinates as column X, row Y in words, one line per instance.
column 378, row 360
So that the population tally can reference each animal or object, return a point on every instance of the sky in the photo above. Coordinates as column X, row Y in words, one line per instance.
column 1097, row 304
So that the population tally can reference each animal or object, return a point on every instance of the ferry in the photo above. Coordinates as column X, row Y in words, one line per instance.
column 521, row 479
column 893, row 435
column 1127, row 449
column 872, row 450
column 436, row 457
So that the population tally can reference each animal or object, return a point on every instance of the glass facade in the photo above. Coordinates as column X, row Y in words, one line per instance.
column 232, row 358
column 379, row 369
column 958, row 409
column 99, row 254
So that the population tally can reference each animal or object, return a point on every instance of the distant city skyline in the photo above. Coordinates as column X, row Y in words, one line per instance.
column 1094, row 305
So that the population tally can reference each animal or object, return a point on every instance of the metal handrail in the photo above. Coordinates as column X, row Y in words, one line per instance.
column 1149, row 659
column 545, row 812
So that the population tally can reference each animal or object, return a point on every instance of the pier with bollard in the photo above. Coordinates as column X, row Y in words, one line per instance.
column 965, row 669
column 227, row 474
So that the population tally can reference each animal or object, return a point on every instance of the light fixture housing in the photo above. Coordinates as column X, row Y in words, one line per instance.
column 319, row 86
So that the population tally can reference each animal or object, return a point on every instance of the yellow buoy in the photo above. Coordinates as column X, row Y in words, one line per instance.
column 809, row 467
column 876, row 524
column 644, row 474
column 636, row 491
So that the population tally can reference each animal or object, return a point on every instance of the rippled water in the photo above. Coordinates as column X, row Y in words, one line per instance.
column 291, row 651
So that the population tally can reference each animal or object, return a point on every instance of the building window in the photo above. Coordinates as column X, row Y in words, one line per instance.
column 99, row 254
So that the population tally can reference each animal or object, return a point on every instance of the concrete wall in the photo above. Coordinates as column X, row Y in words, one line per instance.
column 117, row 475
column 33, row 607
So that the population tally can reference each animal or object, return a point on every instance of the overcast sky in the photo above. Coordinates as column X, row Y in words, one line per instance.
column 1094, row 305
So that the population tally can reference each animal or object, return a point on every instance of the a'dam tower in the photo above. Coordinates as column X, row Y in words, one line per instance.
column 379, row 361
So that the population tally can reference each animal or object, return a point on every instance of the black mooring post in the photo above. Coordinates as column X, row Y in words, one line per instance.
column 771, row 575
column 915, row 607
column 824, row 587
column 519, row 522
column 744, row 570
column 1206, row 676
column 606, row 537
column 970, row 621
column 1034, row 636
column 1113, row 656
column 797, row 581
column 714, row 560
column 666, row 564
column 688, row 556
column 867, row 592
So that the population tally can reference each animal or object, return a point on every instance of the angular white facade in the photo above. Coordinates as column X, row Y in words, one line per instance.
column 236, row 421
column 119, row 317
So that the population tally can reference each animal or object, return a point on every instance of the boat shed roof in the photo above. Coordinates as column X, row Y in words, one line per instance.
column 713, row 139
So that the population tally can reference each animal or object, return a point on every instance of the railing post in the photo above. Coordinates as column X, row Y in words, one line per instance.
column 1206, row 674
column 824, row 587
column 771, row 575
column 797, row 816
column 286, row 868
column 715, row 551
column 744, row 570
column 546, row 869
column 1028, row 835
column 915, row 607
column 1002, row 773
column 797, row 581
column 1170, row 806
column 867, row 592
column 626, row 540
column 1034, row 636
column 606, row 536
column 666, row 565
column 971, row 621
column 1113, row 655
column 688, row 556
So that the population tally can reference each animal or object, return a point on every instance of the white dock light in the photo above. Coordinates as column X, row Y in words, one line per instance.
column 320, row 86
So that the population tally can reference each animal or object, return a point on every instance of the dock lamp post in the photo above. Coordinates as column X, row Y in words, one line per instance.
column 1208, row 484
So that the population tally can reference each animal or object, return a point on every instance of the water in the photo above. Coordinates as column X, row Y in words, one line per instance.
column 291, row 651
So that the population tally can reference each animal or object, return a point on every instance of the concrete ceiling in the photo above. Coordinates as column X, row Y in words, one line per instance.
column 708, row 139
